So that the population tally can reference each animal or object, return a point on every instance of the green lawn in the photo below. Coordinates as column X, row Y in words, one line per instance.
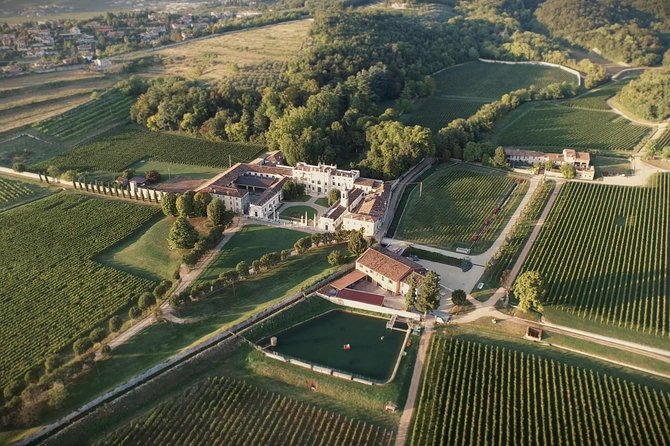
column 27, row 150
column 146, row 253
column 455, row 203
column 209, row 316
column 374, row 348
column 303, row 198
column 170, row 170
column 552, row 127
column 323, row 201
column 295, row 212
column 249, row 244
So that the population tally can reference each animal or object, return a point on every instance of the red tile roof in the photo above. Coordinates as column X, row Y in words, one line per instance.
column 361, row 296
column 387, row 263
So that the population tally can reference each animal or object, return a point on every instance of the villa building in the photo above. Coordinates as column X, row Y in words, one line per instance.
column 580, row 160
column 256, row 190
column 389, row 270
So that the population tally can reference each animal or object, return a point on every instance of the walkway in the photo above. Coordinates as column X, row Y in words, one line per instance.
column 187, row 278
column 408, row 410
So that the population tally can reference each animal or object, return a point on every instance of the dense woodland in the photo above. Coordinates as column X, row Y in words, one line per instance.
column 649, row 95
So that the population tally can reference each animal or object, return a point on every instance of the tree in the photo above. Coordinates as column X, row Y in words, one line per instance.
column 256, row 265
column 19, row 167
column 97, row 335
column 115, row 323
column 182, row 234
column 242, row 269
column 336, row 258
column 57, row 395
column 302, row 244
column 169, row 204
column 146, row 300
column 185, row 204
column 53, row 171
column 216, row 212
column 152, row 176
column 429, row 293
column 568, row 171
column 134, row 312
column 458, row 297
column 410, row 296
column 334, row 196
column 80, row 346
column 12, row 389
column 530, row 290
column 506, row 282
column 500, row 157
column 548, row 165
column 357, row 243
column 200, row 202
column 285, row 254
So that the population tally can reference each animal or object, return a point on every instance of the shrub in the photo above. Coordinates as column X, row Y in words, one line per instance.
column 115, row 323
column 82, row 345
column 12, row 389
column 19, row 167
column 336, row 258
column 146, row 300
column 458, row 297
column 97, row 335
column 52, row 363
column 134, row 312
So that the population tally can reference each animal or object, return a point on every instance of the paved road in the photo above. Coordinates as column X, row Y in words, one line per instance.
column 410, row 403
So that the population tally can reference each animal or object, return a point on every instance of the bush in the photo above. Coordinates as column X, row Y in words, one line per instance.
column 134, row 312
column 80, row 346
column 52, row 363
column 19, row 167
column 12, row 389
column 97, row 335
column 458, row 297
column 242, row 269
column 57, row 395
column 146, row 300
column 336, row 258
column 31, row 376
column 115, row 323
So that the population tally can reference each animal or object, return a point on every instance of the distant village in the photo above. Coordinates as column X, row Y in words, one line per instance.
column 43, row 45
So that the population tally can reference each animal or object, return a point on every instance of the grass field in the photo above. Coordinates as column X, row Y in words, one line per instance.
column 223, row 56
column 374, row 349
column 123, row 147
column 225, row 411
column 454, row 204
column 27, row 149
column 249, row 244
column 14, row 192
column 462, row 89
column 146, row 253
column 549, row 126
column 605, row 254
column 296, row 212
column 52, row 289
column 477, row 392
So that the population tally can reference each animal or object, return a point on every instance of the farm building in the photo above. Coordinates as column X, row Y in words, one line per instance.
column 389, row 270
column 581, row 160
column 256, row 190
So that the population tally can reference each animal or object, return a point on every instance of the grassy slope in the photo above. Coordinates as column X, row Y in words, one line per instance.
column 146, row 253
column 170, row 170
column 249, row 244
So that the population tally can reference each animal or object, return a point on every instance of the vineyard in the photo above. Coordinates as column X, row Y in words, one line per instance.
column 476, row 393
column 52, row 291
column 556, row 127
column 118, row 149
column 595, row 99
column 436, row 112
column 74, row 125
column 229, row 412
column 664, row 140
column 455, row 205
column 605, row 254
column 13, row 192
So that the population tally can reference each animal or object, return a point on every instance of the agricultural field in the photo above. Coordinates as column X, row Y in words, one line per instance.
column 595, row 99
column 477, row 393
column 226, row 411
column 457, row 96
column 249, row 244
column 553, row 127
column 14, row 192
column 30, row 98
column 120, row 148
column 52, row 290
column 112, row 108
column 225, row 56
column 605, row 255
column 454, row 205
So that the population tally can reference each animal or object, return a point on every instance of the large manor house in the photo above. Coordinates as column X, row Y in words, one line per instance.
column 256, row 190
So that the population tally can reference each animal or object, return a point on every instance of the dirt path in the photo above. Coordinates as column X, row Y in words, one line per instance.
column 187, row 278
column 408, row 410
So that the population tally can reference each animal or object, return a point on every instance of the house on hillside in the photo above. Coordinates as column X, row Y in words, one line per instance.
column 389, row 270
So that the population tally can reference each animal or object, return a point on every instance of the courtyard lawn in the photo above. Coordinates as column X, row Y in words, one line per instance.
column 171, row 170
column 374, row 348
column 296, row 212
column 455, row 204
column 323, row 201
column 146, row 253
column 249, row 244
